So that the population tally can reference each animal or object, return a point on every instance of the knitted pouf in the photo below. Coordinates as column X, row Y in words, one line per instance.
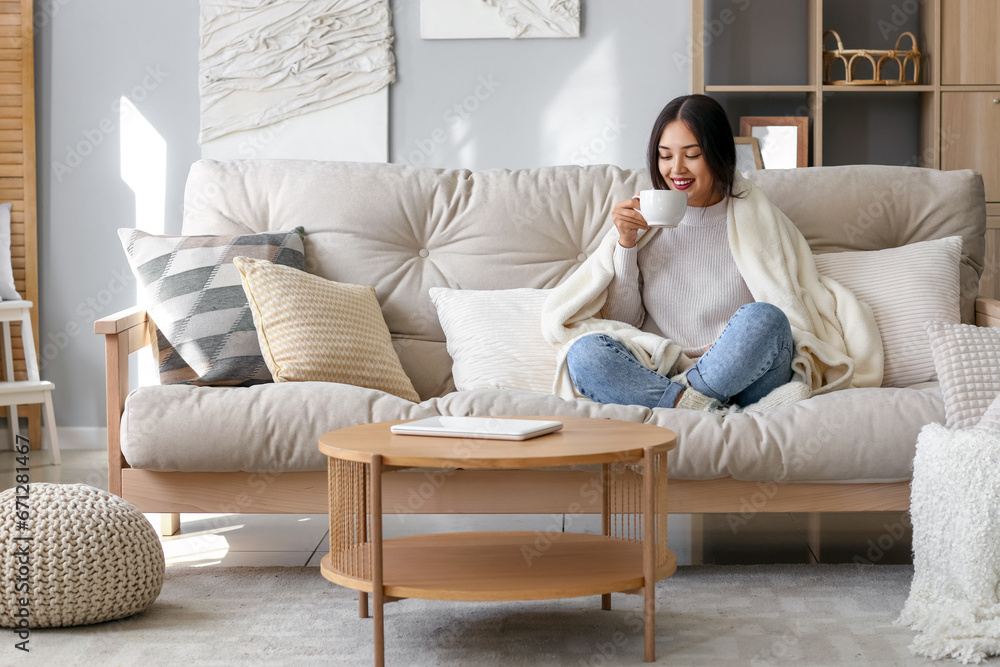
column 93, row 557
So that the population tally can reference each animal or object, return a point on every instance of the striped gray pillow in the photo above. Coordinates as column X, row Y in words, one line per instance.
column 905, row 287
column 192, row 291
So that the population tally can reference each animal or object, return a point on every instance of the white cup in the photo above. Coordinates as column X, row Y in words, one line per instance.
column 662, row 208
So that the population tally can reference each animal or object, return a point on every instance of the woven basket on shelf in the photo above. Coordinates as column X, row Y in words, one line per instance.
column 877, row 57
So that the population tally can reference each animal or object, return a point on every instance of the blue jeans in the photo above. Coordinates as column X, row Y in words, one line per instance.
column 752, row 357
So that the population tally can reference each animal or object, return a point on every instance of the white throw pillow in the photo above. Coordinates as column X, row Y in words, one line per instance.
column 495, row 338
column 7, row 290
column 991, row 418
column 967, row 359
column 905, row 287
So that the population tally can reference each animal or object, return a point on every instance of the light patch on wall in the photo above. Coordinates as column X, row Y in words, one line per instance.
column 354, row 131
column 484, row 19
column 144, row 169
column 582, row 122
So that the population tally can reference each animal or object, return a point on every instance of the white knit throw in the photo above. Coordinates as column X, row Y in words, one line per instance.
column 955, row 507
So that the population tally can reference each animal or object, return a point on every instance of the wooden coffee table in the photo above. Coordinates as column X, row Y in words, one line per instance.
column 502, row 565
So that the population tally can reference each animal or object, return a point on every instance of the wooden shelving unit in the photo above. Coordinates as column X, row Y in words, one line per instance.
column 818, row 95
column 953, row 110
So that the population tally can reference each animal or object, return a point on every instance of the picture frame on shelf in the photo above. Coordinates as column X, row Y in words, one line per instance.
column 784, row 140
column 748, row 156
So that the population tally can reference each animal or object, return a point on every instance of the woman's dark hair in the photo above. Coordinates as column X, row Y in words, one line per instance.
column 709, row 124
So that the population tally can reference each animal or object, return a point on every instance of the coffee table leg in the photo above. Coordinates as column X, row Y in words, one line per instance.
column 649, row 554
column 377, row 590
column 605, row 522
column 362, row 604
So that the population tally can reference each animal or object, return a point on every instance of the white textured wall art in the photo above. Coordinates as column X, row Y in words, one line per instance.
column 264, row 63
column 477, row 19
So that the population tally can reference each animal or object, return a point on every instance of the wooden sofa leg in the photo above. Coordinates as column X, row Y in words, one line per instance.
column 169, row 524
column 813, row 532
column 697, row 539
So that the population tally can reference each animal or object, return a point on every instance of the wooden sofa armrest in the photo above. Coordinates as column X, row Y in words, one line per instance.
column 124, row 332
column 987, row 312
column 123, row 319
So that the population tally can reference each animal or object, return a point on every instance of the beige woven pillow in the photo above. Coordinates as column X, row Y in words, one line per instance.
column 967, row 359
column 313, row 329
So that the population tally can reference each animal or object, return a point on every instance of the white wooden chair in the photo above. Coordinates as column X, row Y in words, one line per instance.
column 24, row 392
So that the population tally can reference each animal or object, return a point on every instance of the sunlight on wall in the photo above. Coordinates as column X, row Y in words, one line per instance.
column 144, row 169
column 582, row 123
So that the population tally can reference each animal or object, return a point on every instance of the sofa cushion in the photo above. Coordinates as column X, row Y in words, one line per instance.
column 315, row 329
column 205, row 332
column 852, row 435
column 873, row 207
column 905, row 287
column 495, row 338
column 967, row 359
column 991, row 418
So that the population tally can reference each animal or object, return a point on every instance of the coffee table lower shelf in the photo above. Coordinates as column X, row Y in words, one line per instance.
column 485, row 566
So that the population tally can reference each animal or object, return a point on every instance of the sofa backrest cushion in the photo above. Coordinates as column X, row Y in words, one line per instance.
column 406, row 229
column 873, row 207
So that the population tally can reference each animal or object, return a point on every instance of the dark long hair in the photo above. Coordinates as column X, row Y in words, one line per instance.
column 709, row 124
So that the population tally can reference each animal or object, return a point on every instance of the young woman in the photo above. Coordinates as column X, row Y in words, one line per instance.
column 685, row 285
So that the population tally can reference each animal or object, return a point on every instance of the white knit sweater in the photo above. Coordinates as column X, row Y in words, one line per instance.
column 683, row 284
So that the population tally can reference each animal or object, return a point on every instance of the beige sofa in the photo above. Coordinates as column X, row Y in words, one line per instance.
column 404, row 230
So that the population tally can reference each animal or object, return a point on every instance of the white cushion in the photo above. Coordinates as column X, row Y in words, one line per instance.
column 905, row 287
column 495, row 338
column 991, row 418
column 967, row 359
column 862, row 435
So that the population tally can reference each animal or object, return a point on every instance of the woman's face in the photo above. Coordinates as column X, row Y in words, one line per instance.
column 683, row 166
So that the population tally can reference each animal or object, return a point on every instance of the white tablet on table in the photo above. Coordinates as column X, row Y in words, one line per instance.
column 491, row 428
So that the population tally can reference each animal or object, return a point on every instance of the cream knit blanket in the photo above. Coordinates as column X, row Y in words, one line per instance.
column 837, row 343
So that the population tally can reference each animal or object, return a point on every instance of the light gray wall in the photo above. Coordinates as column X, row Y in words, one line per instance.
column 552, row 101
column 590, row 100
column 87, row 56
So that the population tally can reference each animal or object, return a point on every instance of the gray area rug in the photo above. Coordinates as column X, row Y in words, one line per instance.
column 706, row 615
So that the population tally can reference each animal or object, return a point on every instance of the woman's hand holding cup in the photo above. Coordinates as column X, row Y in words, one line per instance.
column 625, row 214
